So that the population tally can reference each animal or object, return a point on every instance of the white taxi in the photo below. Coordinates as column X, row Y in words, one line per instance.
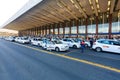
column 36, row 41
column 107, row 45
column 71, row 43
column 22, row 40
column 57, row 46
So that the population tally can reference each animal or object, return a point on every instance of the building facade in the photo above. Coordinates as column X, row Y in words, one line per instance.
column 69, row 18
column 103, row 26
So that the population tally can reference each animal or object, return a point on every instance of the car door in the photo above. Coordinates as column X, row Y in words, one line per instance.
column 50, row 46
column 35, row 41
column 65, row 41
column 106, row 45
column 39, row 41
column 70, row 43
column 115, row 47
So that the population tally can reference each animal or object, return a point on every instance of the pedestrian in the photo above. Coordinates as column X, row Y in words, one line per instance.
column 91, row 42
column 82, row 46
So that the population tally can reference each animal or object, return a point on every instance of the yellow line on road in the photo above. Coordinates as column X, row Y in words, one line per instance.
column 70, row 52
column 75, row 59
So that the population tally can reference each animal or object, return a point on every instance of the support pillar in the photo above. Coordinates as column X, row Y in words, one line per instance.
column 63, row 29
column 70, row 25
column 19, row 33
column 46, row 30
column 86, row 28
column 110, row 25
column 77, row 21
column 53, row 29
column 96, row 27
column 58, row 25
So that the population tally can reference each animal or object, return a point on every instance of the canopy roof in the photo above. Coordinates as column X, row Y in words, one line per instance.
column 54, row 11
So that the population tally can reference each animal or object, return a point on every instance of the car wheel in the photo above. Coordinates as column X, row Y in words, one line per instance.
column 74, row 46
column 57, row 49
column 43, row 47
column 38, row 45
column 31, row 43
column 98, row 49
column 86, row 45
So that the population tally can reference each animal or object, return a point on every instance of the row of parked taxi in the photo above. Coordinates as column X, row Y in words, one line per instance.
column 50, row 44
column 64, row 44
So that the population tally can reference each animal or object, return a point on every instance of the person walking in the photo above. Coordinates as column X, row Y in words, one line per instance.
column 91, row 42
column 82, row 46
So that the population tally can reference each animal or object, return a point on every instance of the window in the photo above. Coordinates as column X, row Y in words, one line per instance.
column 73, row 30
column 47, row 31
column 115, row 27
column 106, row 42
column 61, row 30
column 116, row 43
column 103, row 28
column 64, row 39
column 92, row 28
column 56, row 30
column 69, row 41
column 51, row 31
column 82, row 29
column 67, row 30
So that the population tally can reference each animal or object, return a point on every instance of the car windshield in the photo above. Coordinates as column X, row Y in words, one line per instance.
column 116, row 43
column 75, row 40
column 50, row 42
column 72, row 41
column 39, row 39
column 57, row 42
column 24, row 38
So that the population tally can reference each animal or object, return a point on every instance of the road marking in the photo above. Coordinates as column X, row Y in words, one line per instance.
column 75, row 59
column 102, row 57
column 70, row 52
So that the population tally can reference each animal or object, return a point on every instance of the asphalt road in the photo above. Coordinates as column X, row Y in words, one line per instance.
column 19, row 62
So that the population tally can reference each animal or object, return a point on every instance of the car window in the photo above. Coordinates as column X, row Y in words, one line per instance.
column 39, row 39
column 76, row 40
column 116, row 43
column 25, row 38
column 100, row 41
column 104, row 41
column 64, row 39
column 111, row 42
column 69, row 40
column 49, row 42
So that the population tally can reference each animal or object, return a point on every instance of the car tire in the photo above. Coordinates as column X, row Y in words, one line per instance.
column 38, row 45
column 98, row 49
column 74, row 46
column 31, row 43
column 57, row 49
column 86, row 45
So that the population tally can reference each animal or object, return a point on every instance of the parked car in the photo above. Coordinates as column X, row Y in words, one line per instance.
column 87, row 43
column 57, row 46
column 22, row 40
column 107, row 45
column 36, row 41
column 71, row 43
column 17, row 39
column 10, row 38
column 44, row 43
